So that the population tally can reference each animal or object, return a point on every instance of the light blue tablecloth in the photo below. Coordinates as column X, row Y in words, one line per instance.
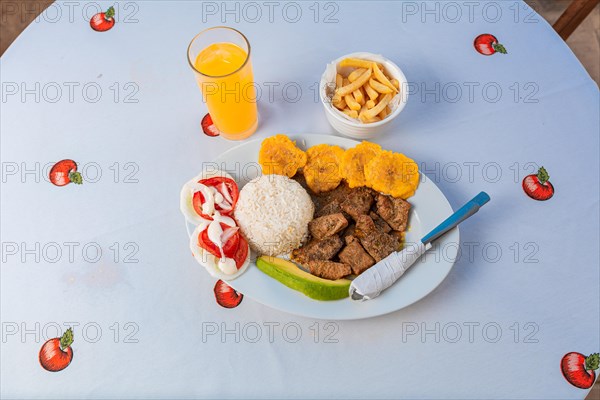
column 524, row 292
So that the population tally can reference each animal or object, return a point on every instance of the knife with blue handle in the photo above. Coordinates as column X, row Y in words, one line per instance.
column 459, row 216
column 382, row 275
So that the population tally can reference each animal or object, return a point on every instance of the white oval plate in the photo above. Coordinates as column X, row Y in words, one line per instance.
column 429, row 208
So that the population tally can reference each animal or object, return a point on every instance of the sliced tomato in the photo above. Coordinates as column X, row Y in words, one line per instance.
column 197, row 202
column 229, row 248
column 227, row 187
column 206, row 244
column 223, row 184
column 231, row 245
column 242, row 252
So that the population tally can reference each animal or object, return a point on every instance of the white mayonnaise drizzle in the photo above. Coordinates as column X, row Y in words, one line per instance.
column 214, row 235
column 208, row 207
column 224, row 219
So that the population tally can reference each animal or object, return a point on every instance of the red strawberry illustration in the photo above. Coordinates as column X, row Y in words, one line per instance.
column 103, row 21
column 226, row 296
column 64, row 172
column 487, row 45
column 56, row 354
column 537, row 186
column 578, row 369
column 208, row 127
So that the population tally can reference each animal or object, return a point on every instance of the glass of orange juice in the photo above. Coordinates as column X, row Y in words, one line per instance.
column 220, row 58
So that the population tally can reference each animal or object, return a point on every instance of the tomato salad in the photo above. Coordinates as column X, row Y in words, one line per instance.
column 215, row 194
column 208, row 201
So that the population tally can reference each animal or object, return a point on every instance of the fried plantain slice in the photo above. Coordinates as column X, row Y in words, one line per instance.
column 354, row 161
column 323, row 168
column 393, row 174
column 279, row 155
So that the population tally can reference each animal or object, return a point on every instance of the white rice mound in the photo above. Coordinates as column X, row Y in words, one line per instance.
column 273, row 212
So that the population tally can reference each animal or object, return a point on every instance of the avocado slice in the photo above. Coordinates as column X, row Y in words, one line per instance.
column 293, row 277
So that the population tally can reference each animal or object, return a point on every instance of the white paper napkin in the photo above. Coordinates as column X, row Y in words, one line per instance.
column 382, row 275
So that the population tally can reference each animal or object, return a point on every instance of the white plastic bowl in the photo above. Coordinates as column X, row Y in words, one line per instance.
column 356, row 129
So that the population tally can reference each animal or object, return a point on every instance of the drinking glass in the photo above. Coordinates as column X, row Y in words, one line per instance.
column 220, row 59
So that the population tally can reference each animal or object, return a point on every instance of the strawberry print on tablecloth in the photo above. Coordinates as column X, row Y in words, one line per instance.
column 56, row 354
column 579, row 370
column 226, row 296
column 487, row 44
column 103, row 21
column 208, row 127
column 64, row 172
column 538, row 186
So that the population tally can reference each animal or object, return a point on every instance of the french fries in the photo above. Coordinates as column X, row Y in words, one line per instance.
column 379, row 87
column 358, row 96
column 355, row 74
column 362, row 110
column 351, row 113
column 372, row 93
column 357, row 63
column 382, row 78
column 351, row 87
column 363, row 118
column 372, row 113
column 352, row 104
column 339, row 103
column 366, row 92
column 384, row 113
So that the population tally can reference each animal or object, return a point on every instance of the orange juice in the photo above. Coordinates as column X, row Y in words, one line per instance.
column 227, row 85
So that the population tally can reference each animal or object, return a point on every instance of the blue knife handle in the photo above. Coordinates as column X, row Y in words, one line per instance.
column 459, row 216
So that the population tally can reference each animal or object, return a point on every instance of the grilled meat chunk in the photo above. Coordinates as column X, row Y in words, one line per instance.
column 338, row 194
column 333, row 207
column 364, row 227
column 348, row 234
column 318, row 250
column 378, row 244
column 394, row 211
column 329, row 269
column 327, row 225
column 356, row 257
column 380, row 223
column 358, row 202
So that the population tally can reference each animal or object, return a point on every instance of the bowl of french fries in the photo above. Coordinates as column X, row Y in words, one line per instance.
column 362, row 93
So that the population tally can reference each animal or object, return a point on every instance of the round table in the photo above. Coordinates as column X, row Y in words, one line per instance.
column 110, row 257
